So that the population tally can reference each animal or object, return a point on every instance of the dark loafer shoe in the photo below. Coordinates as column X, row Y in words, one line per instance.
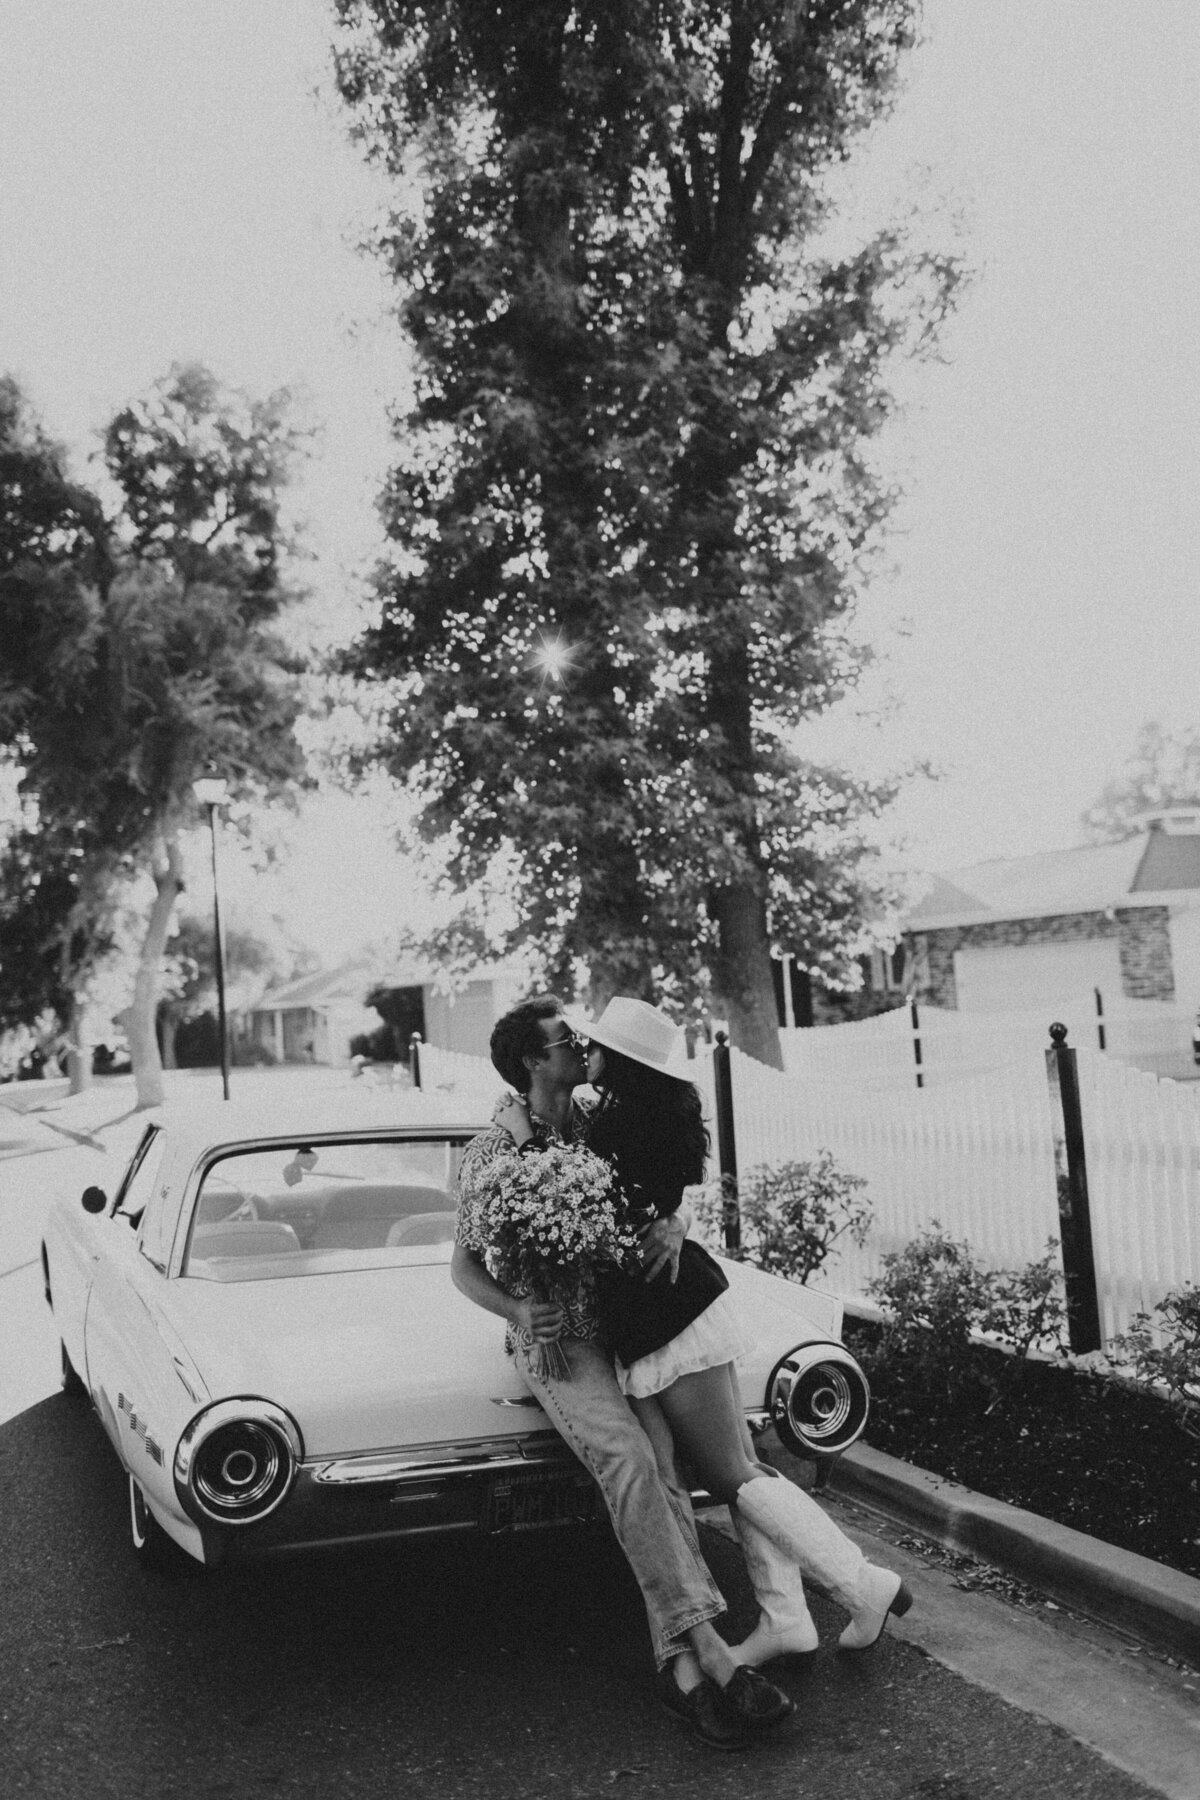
column 757, row 1702
column 704, row 1709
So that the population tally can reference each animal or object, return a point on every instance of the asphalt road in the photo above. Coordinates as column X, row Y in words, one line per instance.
column 518, row 1668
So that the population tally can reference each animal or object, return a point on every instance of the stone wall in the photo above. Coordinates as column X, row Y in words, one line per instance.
column 1144, row 947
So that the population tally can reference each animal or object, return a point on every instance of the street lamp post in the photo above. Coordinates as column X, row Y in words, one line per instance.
column 211, row 792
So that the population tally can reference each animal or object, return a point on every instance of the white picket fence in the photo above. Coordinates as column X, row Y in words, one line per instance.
column 975, row 1154
column 977, row 1157
column 469, row 1083
column 1142, row 1141
column 945, row 1045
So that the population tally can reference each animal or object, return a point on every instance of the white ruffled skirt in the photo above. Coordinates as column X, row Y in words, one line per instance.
column 720, row 1335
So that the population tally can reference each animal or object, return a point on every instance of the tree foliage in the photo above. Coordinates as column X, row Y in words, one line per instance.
column 1164, row 770
column 141, row 649
column 633, row 500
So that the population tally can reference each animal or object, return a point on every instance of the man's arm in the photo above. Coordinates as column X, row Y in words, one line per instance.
column 543, row 1319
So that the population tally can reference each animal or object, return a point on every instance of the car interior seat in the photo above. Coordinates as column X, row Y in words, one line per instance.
column 362, row 1217
column 423, row 1228
column 244, row 1237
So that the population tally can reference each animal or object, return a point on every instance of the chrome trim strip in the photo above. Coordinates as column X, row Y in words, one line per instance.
column 420, row 1463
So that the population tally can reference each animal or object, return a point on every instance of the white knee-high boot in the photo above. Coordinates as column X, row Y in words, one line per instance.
column 825, row 1555
column 785, row 1627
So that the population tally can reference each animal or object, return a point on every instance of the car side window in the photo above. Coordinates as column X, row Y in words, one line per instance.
column 139, row 1184
column 151, row 1135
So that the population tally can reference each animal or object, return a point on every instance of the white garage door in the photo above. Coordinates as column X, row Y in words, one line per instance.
column 1058, row 981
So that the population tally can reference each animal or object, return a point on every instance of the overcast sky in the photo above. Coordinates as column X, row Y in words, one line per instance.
column 175, row 182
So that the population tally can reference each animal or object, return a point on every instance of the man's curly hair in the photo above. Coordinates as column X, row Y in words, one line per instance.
column 517, row 1034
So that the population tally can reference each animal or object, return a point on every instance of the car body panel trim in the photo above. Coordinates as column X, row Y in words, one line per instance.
column 139, row 1428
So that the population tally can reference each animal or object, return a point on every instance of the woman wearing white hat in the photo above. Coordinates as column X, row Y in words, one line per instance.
column 677, row 1334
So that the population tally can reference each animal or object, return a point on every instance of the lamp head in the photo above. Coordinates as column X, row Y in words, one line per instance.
column 211, row 790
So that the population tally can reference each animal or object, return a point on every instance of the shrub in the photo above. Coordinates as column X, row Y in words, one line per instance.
column 792, row 1214
column 1026, row 1308
column 1174, row 1363
column 376, row 1046
column 936, row 1299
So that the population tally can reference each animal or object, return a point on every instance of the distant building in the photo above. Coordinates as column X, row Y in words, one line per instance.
column 1072, row 934
column 315, row 1018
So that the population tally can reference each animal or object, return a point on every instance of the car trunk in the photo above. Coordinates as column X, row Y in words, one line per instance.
column 363, row 1360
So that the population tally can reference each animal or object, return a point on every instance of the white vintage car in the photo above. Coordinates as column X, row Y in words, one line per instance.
column 263, row 1317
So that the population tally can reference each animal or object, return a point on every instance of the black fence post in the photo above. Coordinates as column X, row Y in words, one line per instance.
column 731, row 1222
column 1070, row 1171
column 916, row 1026
column 414, row 1050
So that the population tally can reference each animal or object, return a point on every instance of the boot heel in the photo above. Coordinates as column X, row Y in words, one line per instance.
column 855, row 1639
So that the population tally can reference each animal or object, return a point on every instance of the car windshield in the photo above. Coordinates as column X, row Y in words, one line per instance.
column 323, row 1207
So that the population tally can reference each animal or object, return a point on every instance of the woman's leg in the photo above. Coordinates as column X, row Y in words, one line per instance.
column 804, row 1533
column 706, row 1425
column 708, row 1421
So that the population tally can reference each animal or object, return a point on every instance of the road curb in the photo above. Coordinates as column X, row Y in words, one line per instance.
column 1119, row 1588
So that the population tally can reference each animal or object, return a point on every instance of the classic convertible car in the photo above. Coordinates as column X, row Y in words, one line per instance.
column 263, row 1317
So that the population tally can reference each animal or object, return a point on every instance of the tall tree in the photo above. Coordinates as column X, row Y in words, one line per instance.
column 141, row 649
column 633, row 500
column 58, row 872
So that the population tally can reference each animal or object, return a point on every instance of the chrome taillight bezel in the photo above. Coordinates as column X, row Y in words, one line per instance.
column 256, row 1473
column 818, row 1399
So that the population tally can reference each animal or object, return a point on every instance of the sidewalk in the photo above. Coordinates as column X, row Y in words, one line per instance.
column 1127, row 1592
column 1093, row 1681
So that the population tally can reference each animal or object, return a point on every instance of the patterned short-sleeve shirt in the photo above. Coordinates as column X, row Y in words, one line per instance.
column 483, row 1162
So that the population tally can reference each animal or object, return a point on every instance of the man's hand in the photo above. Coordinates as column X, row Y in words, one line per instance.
column 661, row 1243
column 542, row 1319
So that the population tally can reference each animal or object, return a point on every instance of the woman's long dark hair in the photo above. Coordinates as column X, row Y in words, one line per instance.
column 649, row 1126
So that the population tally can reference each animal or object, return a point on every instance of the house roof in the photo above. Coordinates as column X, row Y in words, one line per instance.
column 353, row 981
column 1091, row 878
column 1171, row 861
column 348, row 982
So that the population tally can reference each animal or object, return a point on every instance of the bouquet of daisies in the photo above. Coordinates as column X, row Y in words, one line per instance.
column 552, row 1219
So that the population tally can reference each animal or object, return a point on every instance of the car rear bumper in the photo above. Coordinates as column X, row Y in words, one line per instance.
column 490, row 1487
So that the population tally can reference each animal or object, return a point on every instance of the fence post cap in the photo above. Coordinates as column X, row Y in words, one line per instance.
column 722, row 1037
column 1058, row 1036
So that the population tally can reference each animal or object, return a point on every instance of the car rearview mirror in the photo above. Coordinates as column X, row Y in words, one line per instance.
column 94, row 1199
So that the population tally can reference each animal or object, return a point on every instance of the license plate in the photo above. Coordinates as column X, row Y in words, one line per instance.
column 531, row 1502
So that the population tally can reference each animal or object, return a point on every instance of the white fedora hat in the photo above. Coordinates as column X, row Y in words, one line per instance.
column 638, row 1030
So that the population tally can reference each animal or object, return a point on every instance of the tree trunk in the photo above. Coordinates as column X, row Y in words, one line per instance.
column 79, row 1054
column 742, row 963
column 140, row 1014
column 742, row 972
column 625, row 971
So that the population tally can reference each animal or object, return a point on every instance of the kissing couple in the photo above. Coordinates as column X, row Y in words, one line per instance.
column 651, row 1364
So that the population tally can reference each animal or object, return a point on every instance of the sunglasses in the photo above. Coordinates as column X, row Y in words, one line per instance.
column 573, row 1038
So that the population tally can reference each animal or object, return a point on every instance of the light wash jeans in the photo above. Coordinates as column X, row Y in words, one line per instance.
column 650, row 1512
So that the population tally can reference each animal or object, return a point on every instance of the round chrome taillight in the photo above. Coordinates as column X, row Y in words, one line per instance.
column 237, row 1460
column 818, row 1399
